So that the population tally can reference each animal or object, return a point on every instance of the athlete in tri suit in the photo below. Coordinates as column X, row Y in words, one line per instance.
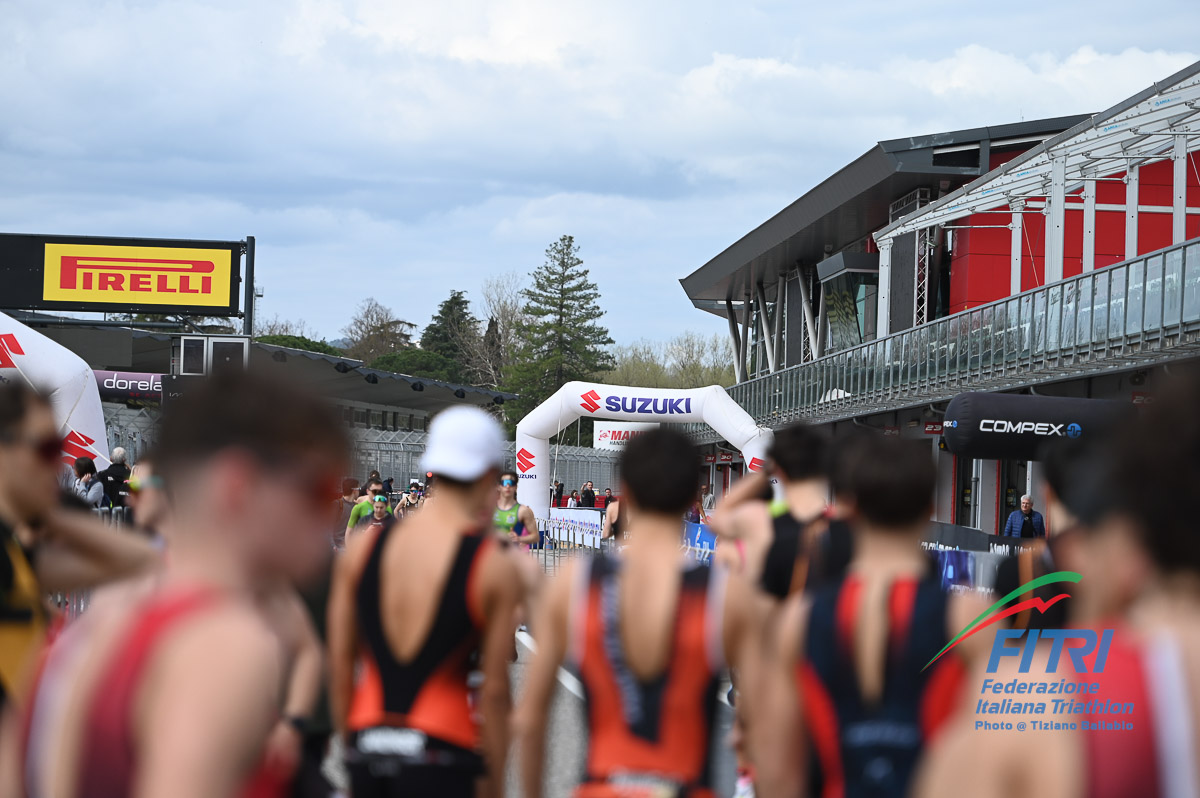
column 845, row 706
column 1135, row 547
column 514, row 522
column 411, row 609
column 175, row 693
column 649, row 632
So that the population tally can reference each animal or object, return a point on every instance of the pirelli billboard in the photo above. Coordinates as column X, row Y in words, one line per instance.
column 120, row 275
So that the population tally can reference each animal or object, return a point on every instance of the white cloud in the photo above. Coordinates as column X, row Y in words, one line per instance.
column 404, row 149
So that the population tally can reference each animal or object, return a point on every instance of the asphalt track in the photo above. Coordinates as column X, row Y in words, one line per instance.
column 566, row 735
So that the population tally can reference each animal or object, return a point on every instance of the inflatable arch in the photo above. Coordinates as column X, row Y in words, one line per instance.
column 574, row 400
column 66, row 381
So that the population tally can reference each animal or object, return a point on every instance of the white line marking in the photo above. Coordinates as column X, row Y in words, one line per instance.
column 573, row 685
column 566, row 679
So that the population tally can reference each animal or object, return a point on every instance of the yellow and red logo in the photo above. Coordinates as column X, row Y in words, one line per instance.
column 137, row 275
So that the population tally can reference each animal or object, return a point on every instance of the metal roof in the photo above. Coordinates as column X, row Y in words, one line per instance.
column 1137, row 130
column 846, row 207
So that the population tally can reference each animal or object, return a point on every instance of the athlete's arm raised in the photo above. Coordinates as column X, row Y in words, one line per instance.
column 75, row 551
column 206, row 706
column 777, row 734
column 529, row 535
column 540, row 680
column 500, row 592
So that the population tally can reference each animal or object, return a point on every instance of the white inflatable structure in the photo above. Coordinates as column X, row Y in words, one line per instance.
column 66, row 381
column 574, row 400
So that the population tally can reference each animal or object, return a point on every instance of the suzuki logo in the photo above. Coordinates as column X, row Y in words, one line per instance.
column 591, row 401
column 77, row 445
column 8, row 348
column 524, row 460
column 756, row 464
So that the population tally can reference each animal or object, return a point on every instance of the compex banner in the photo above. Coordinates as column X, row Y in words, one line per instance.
column 990, row 426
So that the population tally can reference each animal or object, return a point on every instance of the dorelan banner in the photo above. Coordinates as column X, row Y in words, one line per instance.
column 120, row 275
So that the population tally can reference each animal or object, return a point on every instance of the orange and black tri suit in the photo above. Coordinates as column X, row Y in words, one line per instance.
column 412, row 726
column 857, row 747
column 648, row 738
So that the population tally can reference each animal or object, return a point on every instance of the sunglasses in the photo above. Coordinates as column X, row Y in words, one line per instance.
column 47, row 450
column 139, row 484
column 508, row 483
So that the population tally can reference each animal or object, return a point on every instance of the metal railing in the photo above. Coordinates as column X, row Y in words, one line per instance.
column 564, row 539
column 1136, row 313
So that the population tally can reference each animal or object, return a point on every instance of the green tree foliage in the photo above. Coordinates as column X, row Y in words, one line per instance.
column 561, row 338
column 454, row 334
column 418, row 363
column 688, row 360
column 300, row 342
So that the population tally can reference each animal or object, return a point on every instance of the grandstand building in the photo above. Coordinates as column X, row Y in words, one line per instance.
column 1058, row 257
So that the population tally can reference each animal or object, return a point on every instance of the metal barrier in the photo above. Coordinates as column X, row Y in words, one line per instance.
column 1140, row 312
column 564, row 539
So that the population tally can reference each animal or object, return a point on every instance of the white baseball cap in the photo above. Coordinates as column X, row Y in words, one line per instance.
column 464, row 443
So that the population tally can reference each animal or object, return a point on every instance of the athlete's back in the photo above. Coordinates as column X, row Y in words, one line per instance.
column 415, row 604
column 649, row 661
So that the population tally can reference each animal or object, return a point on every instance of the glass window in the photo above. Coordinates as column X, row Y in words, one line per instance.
column 1100, row 306
column 1116, row 301
column 1069, row 303
column 1038, row 322
column 1134, row 294
column 1191, row 284
column 1054, row 309
column 1173, row 288
column 1012, row 320
column 964, row 342
column 986, row 337
column 1025, row 302
column 1153, row 314
column 1083, row 310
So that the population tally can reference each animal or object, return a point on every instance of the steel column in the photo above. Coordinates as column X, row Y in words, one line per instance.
column 1016, row 248
column 780, row 308
column 747, row 312
column 1056, row 221
column 1089, row 225
column 739, row 363
column 810, row 323
column 1131, row 212
column 764, row 327
column 883, row 321
column 1179, row 206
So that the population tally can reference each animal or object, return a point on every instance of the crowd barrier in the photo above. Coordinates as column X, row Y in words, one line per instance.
column 964, row 558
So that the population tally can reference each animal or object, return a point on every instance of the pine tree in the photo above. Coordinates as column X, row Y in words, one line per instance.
column 452, row 334
column 560, row 339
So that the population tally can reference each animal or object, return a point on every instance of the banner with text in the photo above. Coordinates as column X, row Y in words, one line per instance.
column 615, row 434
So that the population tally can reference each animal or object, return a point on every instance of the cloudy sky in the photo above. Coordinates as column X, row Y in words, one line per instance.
column 399, row 149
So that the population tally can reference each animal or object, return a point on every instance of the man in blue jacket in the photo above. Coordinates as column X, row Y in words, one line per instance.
column 1026, row 522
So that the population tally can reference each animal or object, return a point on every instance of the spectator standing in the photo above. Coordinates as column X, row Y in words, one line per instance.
column 87, row 487
column 1026, row 522
column 608, row 498
column 587, row 497
column 558, row 493
column 573, row 499
column 115, row 478
column 708, row 501
column 343, row 507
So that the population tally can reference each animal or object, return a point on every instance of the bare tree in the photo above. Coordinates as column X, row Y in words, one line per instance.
column 492, row 352
column 278, row 326
column 375, row 331
column 689, row 360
